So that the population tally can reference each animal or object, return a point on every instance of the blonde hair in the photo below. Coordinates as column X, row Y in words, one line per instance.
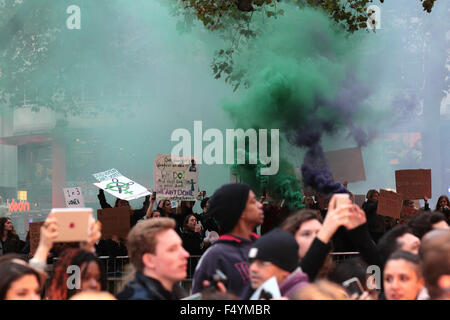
column 321, row 290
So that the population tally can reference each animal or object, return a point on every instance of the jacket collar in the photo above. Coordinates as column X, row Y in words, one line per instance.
column 230, row 238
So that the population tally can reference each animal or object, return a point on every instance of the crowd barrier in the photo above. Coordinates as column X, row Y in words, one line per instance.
column 116, row 269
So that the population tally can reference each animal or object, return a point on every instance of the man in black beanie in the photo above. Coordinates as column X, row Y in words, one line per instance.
column 238, row 212
column 275, row 254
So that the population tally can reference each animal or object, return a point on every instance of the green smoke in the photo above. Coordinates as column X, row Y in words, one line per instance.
column 305, row 76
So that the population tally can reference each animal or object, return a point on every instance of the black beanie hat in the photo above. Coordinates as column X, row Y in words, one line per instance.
column 278, row 247
column 227, row 204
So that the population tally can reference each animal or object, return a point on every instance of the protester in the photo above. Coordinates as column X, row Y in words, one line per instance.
column 435, row 256
column 135, row 214
column 160, row 261
column 356, row 268
column 275, row 254
column 402, row 277
column 192, row 235
column 400, row 237
column 18, row 280
column 9, row 241
column 314, row 238
column 76, row 271
column 321, row 290
column 427, row 221
column 375, row 222
column 153, row 214
column 438, row 220
column 238, row 213
column 443, row 205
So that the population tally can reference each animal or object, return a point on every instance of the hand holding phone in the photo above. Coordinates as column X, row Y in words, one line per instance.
column 353, row 286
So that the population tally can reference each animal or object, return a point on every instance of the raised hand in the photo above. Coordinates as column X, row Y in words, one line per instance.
column 357, row 217
column 335, row 218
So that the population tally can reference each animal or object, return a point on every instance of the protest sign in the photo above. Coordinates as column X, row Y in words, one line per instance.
column 413, row 184
column 73, row 197
column 346, row 165
column 115, row 221
column 175, row 180
column 119, row 186
column 390, row 204
column 35, row 236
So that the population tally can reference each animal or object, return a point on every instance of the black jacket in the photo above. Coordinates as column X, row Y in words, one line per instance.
column 12, row 244
column 146, row 288
column 137, row 214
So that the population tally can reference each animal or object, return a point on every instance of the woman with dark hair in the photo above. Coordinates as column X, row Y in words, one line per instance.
column 375, row 222
column 18, row 280
column 443, row 205
column 9, row 240
column 314, row 236
column 402, row 277
column 192, row 235
column 89, row 276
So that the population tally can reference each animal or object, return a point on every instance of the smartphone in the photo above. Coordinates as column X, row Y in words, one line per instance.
column 353, row 285
column 342, row 199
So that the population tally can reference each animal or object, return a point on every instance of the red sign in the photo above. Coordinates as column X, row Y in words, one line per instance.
column 21, row 206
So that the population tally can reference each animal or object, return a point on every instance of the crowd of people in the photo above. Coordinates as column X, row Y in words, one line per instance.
column 241, row 243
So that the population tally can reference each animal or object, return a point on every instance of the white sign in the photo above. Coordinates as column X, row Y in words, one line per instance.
column 73, row 197
column 120, row 186
column 175, row 181
column 270, row 286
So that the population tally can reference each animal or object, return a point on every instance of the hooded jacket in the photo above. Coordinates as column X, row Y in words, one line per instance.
column 229, row 254
column 294, row 282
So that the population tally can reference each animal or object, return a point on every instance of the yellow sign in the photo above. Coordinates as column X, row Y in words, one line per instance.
column 22, row 195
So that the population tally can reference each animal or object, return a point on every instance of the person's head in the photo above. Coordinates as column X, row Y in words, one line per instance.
column 309, row 201
column 165, row 207
column 275, row 254
column 121, row 203
column 155, row 214
column 443, row 201
column 321, row 290
column 156, row 250
column 438, row 220
column 75, row 263
column 235, row 205
column 6, row 226
column 372, row 195
column 205, row 205
column 435, row 256
column 91, row 295
column 304, row 226
column 353, row 267
column 402, row 276
column 398, row 238
column 19, row 281
column 420, row 224
column 189, row 223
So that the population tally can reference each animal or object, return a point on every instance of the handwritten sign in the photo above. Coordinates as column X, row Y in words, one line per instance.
column 35, row 236
column 413, row 184
column 175, row 180
column 120, row 186
column 73, row 197
column 390, row 204
column 347, row 165
column 115, row 221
